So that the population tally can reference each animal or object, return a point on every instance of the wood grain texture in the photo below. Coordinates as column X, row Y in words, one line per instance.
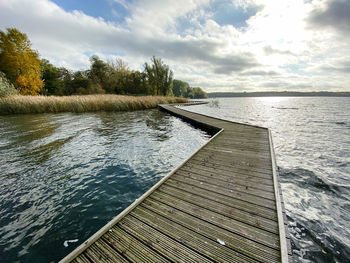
column 220, row 205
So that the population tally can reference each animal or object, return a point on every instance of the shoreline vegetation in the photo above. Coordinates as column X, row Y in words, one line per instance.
column 23, row 72
column 30, row 84
column 19, row 104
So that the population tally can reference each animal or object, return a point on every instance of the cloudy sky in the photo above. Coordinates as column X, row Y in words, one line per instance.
column 224, row 45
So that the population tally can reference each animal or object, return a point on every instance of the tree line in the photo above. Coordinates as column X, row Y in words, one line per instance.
column 22, row 71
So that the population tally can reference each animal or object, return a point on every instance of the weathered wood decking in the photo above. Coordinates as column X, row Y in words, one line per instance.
column 223, row 204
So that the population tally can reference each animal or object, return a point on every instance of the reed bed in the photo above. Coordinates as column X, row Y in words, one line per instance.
column 18, row 104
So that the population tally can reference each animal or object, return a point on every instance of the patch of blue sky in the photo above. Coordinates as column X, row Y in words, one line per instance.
column 89, row 53
column 226, row 13
column 117, row 54
column 299, row 68
column 186, row 26
column 107, row 9
column 105, row 55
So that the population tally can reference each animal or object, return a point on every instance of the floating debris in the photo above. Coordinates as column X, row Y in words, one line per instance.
column 221, row 242
column 65, row 243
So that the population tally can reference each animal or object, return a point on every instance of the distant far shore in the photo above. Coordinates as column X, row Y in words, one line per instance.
column 19, row 104
column 278, row 94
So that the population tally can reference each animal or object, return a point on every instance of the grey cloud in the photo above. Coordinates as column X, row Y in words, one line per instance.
column 270, row 51
column 335, row 15
column 278, row 84
column 338, row 69
column 233, row 63
column 287, row 86
column 75, row 32
column 260, row 73
column 193, row 50
column 301, row 86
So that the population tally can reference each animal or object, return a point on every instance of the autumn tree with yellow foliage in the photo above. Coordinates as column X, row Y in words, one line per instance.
column 19, row 62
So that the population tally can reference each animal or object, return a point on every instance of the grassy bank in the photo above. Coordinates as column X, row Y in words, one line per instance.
column 85, row 103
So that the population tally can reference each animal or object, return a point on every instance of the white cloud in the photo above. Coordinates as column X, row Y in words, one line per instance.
column 281, row 43
column 123, row 3
column 158, row 17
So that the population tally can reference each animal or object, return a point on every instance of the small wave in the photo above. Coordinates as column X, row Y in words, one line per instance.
column 343, row 124
column 285, row 108
column 310, row 242
column 340, row 123
column 306, row 179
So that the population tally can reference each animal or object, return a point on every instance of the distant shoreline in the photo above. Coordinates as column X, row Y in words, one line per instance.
column 278, row 94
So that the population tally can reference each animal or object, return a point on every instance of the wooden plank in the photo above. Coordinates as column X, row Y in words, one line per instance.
column 251, row 232
column 211, row 249
column 244, row 175
column 231, row 136
column 110, row 254
column 233, row 132
column 249, row 181
column 101, row 252
column 227, row 155
column 238, row 150
column 223, row 209
column 226, row 147
column 239, row 204
column 244, row 138
column 161, row 243
column 282, row 230
column 233, row 144
column 245, row 246
column 260, row 201
column 241, row 160
column 229, row 182
column 234, row 163
column 82, row 259
column 230, row 168
column 131, row 248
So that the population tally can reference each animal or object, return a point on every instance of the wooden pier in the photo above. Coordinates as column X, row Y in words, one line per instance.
column 222, row 204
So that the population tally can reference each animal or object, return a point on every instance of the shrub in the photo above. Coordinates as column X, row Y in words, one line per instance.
column 6, row 88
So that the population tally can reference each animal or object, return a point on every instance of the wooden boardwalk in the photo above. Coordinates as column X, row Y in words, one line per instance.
column 223, row 204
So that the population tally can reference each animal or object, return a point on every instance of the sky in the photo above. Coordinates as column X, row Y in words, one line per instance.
column 220, row 46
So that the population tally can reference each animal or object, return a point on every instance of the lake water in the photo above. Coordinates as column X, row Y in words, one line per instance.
column 311, row 136
column 64, row 176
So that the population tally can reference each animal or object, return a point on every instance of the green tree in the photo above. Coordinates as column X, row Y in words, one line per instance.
column 53, row 78
column 159, row 76
column 198, row 93
column 79, row 84
column 136, row 83
column 19, row 62
column 188, row 93
column 119, row 76
column 180, row 88
column 183, row 89
column 100, row 73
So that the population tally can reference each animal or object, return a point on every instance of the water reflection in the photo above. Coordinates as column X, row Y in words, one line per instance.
column 159, row 123
column 63, row 176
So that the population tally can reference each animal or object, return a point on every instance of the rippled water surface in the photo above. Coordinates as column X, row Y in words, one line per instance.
column 63, row 176
column 312, row 144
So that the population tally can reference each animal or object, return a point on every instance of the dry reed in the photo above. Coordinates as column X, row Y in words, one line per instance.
column 18, row 104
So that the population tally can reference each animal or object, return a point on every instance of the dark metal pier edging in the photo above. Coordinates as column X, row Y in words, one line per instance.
column 222, row 204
